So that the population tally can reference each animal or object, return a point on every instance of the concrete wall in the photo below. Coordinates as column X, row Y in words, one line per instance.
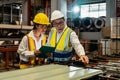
column 54, row 5
column 59, row 5
column 110, row 10
column 24, row 13
column 63, row 7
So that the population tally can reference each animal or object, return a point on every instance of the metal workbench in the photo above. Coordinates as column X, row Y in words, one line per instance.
column 50, row 72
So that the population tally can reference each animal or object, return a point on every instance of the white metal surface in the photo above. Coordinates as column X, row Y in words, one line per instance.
column 50, row 72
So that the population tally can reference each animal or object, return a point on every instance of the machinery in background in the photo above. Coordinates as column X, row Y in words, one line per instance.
column 87, row 24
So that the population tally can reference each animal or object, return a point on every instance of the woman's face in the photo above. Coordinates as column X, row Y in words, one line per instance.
column 40, row 28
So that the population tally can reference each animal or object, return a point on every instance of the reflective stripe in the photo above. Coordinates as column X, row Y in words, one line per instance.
column 61, row 43
column 61, row 59
column 31, row 43
column 68, row 45
column 53, row 38
column 62, row 55
column 44, row 40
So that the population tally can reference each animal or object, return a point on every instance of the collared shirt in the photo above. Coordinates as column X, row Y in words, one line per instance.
column 74, row 42
column 23, row 48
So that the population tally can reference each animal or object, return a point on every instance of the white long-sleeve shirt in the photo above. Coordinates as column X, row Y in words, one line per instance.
column 74, row 41
column 23, row 49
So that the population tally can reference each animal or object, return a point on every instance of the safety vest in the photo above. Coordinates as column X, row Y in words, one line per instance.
column 63, row 51
column 31, row 42
column 31, row 46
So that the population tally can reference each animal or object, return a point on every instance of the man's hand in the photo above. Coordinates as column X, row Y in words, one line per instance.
column 84, row 59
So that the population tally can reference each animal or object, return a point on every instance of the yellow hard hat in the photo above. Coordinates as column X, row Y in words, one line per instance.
column 41, row 18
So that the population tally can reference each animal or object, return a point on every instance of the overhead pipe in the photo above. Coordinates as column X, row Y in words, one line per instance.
column 29, row 12
column 46, row 8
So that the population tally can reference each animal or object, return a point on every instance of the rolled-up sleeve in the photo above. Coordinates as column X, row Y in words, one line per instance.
column 76, row 44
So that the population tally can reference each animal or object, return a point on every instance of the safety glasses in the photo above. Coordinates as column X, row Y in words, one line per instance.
column 60, row 23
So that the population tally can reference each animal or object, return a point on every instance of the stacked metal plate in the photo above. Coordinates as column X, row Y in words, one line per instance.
column 50, row 72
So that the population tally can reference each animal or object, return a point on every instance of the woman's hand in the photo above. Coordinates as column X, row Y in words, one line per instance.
column 37, row 52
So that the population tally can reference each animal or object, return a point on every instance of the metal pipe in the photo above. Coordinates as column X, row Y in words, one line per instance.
column 46, row 9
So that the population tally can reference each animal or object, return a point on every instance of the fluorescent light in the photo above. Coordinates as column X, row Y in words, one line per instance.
column 76, row 9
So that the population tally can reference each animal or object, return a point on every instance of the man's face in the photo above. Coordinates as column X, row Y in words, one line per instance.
column 59, row 25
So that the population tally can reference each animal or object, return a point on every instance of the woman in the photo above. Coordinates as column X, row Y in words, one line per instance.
column 30, row 44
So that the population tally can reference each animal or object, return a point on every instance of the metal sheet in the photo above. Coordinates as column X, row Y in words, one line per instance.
column 50, row 72
column 75, row 75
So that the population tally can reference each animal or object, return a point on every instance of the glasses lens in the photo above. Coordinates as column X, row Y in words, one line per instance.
column 57, row 24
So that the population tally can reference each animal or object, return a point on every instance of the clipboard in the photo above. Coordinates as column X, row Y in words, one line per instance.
column 45, row 50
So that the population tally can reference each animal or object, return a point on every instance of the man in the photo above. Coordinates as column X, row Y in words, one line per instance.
column 64, row 39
